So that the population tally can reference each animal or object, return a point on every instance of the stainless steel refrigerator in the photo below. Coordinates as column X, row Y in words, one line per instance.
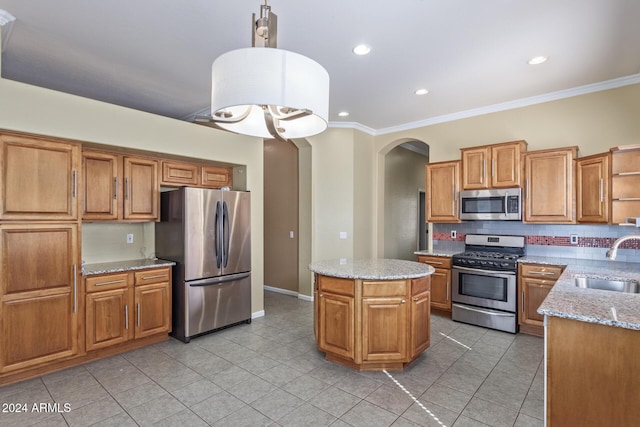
column 207, row 233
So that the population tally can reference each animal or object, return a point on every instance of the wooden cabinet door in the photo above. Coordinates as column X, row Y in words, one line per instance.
column 420, row 323
column 101, row 185
column 39, row 179
column 108, row 318
column 141, row 189
column 443, row 185
column 549, row 190
column 384, row 329
column 441, row 289
column 532, row 293
column 179, row 173
column 38, row 294
column 506, row 165
column 592, row 188
column 215, row 177
column 337, row 324
column 475, row 161
column 153, row 309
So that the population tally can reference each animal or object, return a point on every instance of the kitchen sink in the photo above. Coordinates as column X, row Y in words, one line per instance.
column 617, row 285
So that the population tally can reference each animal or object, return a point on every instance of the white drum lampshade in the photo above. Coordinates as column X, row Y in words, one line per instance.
column 254, row 81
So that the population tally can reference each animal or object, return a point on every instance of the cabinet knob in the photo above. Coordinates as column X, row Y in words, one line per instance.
column 404, row 301
column 416, row 299
column 320, row 295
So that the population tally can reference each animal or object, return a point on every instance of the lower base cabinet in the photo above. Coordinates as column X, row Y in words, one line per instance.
column 440, row 281
column 592, row 374
column 372, row 325
column 534, row 283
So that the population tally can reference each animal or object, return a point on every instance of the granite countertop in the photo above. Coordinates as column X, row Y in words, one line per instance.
column 372, row 269
column 591, row 305
column 439, row 252
column 120, row 266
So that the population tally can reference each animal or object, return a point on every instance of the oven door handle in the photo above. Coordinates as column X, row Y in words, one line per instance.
column 484, row 272
column 492, row 313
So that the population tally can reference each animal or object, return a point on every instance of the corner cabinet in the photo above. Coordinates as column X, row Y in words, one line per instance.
column 593, row 188
column 625, row 183
column 535, row 282
column 440, row 281
column 549, row 188
column 492, row 166
column 443, row 188
column 39, row 306
column 372, row 324
column 39, row 179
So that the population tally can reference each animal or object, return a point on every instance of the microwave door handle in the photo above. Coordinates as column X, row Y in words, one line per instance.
column 506, row 203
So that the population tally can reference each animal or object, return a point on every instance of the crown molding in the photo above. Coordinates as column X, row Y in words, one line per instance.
column 504, row 106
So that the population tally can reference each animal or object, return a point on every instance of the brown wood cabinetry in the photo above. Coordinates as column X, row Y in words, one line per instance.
column 372, row 324
column 125, row 306
column 38, row 294
column 492, row 166
column 549, row 188
column 120, row 187
column 440, row 281
column 592, row 374
column 625, row 183
column 535, row 282
column 195, row 175
column 593, row 188
column 385, row 314
column 39, row 178
column 443, row 188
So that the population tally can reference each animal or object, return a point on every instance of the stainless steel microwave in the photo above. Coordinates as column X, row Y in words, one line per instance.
column 496, row 204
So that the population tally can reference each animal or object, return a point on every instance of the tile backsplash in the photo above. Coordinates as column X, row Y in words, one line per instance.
column 547, row 239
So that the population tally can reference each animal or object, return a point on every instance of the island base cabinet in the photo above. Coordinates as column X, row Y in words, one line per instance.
column 371, row 325
column 336, row 324
column 592, row 375
column 384, row 322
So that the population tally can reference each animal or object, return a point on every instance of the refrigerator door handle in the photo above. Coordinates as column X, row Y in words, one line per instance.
column 217, row 236
column 225, row 234
column 219, row 280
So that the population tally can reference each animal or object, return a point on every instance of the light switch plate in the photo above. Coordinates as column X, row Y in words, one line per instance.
column 454, row 233
column 343, row 235
column 130, row 238
column 574, row 239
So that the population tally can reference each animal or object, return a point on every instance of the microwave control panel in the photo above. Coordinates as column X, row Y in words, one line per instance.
column 513, row 204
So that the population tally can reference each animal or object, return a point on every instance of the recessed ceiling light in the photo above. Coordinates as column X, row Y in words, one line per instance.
column 537, row 60
column 362, row 49
column 343, row 113
column 421, row 92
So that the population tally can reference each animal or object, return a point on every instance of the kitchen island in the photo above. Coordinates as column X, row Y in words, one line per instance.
column 592, row 347
column 372, row 314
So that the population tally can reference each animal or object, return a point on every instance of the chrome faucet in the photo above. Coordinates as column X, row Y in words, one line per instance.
column 613, row 251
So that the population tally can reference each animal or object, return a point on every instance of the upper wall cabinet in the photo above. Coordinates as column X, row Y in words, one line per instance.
column 492, row 166
column 119, row 187
column 443, row 188
column 549, row 188
column 593, row 188
column 625, row 183
column 39, row 178
column 176, row 173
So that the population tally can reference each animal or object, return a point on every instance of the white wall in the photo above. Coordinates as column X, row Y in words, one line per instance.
column 36, row 110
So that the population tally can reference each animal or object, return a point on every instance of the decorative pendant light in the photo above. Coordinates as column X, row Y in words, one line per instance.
column 268, row 92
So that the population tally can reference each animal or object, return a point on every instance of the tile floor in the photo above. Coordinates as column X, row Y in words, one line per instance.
column 269, row 373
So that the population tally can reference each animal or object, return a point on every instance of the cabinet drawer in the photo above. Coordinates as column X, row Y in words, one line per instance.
column 436, row 261
column 158, row 275
column 106, row 282
column 336, row 285
column 384, row 288
column 538, row 271
column 421, row 284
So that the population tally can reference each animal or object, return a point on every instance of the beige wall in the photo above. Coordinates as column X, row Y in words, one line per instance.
column 37, row 110
column 594, row 122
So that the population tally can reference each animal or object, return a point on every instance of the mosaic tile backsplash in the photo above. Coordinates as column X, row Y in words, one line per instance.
column 547, row 239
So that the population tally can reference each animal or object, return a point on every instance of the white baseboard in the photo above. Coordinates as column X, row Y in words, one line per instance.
column 257, row 314
column 288, row 292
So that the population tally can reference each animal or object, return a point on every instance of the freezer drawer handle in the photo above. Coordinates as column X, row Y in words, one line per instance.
column 219, row 281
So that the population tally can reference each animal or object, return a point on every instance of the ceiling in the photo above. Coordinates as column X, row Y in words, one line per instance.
column 156, row 55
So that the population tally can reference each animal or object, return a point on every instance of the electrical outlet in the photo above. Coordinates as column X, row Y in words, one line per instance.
column 343, row 235
column 454, row 233
column 574, row 239
column 130, row 238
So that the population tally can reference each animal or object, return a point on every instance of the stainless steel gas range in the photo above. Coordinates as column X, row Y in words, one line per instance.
column 483, row 281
